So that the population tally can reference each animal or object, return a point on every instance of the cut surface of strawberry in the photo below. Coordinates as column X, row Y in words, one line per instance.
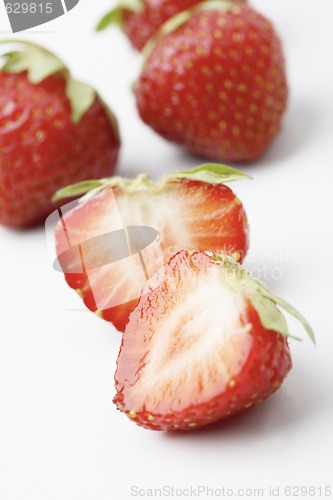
column 188, row 210
column 205, row 342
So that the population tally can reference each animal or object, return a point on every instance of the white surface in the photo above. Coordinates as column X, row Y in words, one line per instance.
column 60, row 435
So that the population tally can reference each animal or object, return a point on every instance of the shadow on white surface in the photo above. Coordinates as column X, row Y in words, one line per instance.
column 300, row 125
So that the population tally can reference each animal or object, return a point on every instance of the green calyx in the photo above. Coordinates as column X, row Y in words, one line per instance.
column 265, row 303
column 39, row 64
column 213, row 173
column 183, row 17
column 115, row 16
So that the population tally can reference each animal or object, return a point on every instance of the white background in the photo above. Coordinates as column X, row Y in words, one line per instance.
column 61, row 437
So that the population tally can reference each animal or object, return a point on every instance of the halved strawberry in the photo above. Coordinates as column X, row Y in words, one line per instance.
column 206, row 341
column 107, row 246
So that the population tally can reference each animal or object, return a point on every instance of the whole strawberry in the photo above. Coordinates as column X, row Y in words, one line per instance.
column 214, row 81
column 140, row 19
column 206, row 341
column 53, row 131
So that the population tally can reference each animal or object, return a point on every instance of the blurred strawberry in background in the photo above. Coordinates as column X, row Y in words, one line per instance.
column 54, row 131
column 214, row 81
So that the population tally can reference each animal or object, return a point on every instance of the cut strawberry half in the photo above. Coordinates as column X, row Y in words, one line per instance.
column 114, row 240
column 206, row 341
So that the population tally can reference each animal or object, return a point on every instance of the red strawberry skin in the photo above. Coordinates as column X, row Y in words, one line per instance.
column 205, row 216
column 267, row 361
column 216, row 85
column 42, row 150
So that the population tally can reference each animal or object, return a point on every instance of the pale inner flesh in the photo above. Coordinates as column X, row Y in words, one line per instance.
column 197, row 347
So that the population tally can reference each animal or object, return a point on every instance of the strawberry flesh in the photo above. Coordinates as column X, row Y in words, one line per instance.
column 187, row 214
column 194, row 350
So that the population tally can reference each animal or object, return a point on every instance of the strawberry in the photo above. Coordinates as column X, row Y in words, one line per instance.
column 107, row 245
column 140, row 19
column 214, row 81
column 205, row 342
column 53, row 131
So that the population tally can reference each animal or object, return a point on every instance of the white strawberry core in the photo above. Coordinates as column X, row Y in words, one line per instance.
column 197, row 348
column 130, row 275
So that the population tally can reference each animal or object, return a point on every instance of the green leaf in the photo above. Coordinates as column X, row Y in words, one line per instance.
column 270, row 316
column 264, row 302
column 213, row 173
column 37, row 61
column 168, row 27
column 40, row 63
column 181, row 18
column 81, row 97
column 92, row 187
column 77, row 189
column 114, row 17
column 291, row 310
